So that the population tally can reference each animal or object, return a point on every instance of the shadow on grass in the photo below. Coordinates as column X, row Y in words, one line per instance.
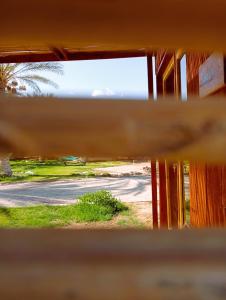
column 40, row 177
column 5, row 212
column 35, row 163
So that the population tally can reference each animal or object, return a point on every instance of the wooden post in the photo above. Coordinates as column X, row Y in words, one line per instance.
column 153, row 163
column 150, row 76
column 163, row 196
column 180, row 168
column 163, row 207
column 174, row 171
column 170, row 205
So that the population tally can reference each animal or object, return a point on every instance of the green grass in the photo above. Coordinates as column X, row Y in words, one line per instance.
column 33, row 170
column 91, row 207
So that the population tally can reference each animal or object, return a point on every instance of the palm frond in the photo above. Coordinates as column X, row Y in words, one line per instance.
column 53, row 67
column 32, row 84
column 26, row 73
column 38, row 78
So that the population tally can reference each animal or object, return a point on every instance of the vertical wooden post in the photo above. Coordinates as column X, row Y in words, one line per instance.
column 153, row 163
column 163, row 208
column 163, row 196
column 180, row 171
column 150, row 76
column 171, row 178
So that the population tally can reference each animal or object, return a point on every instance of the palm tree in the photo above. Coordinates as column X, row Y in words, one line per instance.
column 18, row 79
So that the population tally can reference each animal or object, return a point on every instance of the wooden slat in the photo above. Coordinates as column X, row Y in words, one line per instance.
column 163, row 195
column 64, row 264
column 215, row 210
column 198, row 195
column 150, row 77
column 84, row 23
column 96, row 128
column 17, row 57
column 173, row 194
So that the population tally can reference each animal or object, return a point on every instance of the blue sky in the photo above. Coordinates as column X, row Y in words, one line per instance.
column 108, row 78
column 183, row 78
column 114, row 78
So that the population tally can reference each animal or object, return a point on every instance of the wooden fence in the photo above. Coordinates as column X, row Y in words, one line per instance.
column 171, row 130
column 63, row 264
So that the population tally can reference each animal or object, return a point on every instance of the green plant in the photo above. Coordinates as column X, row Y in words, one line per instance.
column 98, row 206
column 92, row 207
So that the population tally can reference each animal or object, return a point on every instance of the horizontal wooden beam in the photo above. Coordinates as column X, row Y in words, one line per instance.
column 33, row 56
column 66, row 264
column 174, row 24
column 117, row 129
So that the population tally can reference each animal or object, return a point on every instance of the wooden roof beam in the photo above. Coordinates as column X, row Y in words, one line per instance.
column 63, row 54
column 186, row 24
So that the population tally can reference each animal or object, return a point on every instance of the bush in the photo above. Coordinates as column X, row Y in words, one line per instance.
column 91, row 207
column 98, row 206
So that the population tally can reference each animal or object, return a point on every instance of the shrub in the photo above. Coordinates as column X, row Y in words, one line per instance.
column 98, row 206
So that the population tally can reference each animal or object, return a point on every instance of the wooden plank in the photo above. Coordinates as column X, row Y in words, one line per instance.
column 198, row 195
column 65, row 264
column 17, row 57
column 224, row 186
column 215, row 211
column 163, row 196
column 84, row 23
column 150, row 76
column 180, row 203
column 154, row 185
column 173, row 194
column 96, row 128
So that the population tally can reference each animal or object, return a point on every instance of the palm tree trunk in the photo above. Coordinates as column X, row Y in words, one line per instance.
column 4, row 160
column 2, row 88
column 5, row 166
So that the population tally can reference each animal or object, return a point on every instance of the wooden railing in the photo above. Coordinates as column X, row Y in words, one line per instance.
column 63, row 264
column 170, row 130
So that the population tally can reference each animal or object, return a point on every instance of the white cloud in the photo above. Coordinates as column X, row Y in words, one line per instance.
column 102, row 92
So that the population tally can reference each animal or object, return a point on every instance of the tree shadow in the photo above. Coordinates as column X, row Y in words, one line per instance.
column 4, row 211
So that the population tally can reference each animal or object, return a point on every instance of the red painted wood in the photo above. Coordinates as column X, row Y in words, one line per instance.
column 214, row 196
column 198, row 195
column 173, row 193
column 162, row 194
column 150, row 76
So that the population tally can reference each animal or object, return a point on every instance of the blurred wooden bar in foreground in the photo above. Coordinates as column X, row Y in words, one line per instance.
column 170, row 130
column 114, row 25
column 85, row 265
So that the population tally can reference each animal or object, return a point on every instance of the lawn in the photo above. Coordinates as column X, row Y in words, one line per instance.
column 100, row 206
column 34, row 170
